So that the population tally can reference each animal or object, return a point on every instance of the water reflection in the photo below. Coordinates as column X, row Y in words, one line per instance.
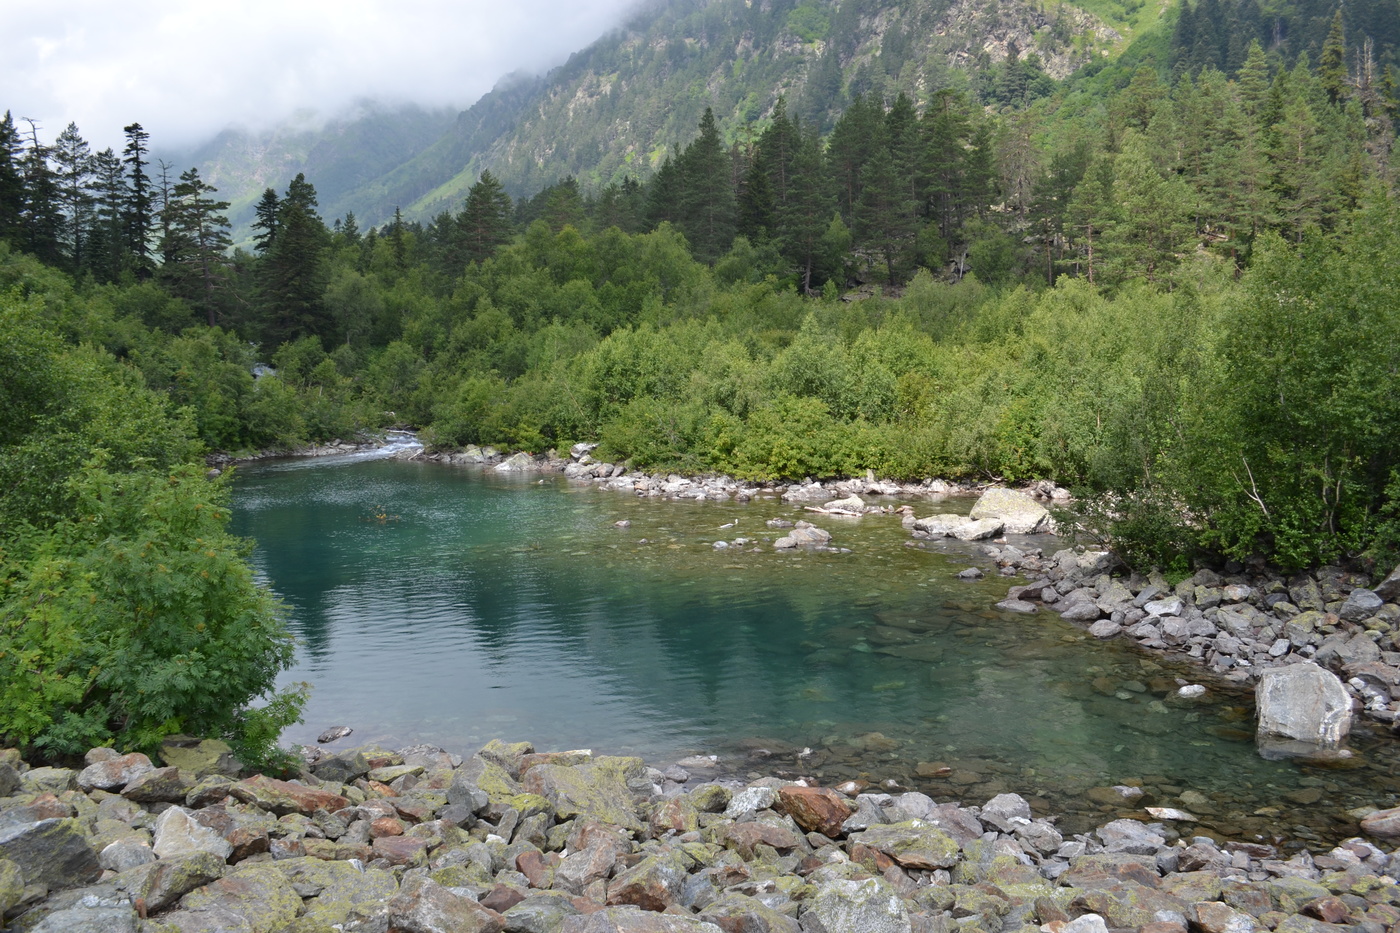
column 450, row 606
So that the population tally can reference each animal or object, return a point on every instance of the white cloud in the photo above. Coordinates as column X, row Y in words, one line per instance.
column 185, row 70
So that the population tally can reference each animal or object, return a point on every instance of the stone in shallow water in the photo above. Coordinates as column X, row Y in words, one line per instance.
column 1304, row 703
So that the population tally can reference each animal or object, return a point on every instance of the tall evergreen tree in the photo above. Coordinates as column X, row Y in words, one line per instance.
column 195, row 249
column 706, row 193
column 107, row 246
column 72, row 158
column 139, row 207
column 484, row 224
column 1332, row 63
column 40, row 218
column 265, row 214
column 11, row 180
column 291, row 274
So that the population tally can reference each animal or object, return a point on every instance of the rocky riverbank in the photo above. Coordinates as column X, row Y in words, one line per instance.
column 421, row 841
column 1238, row 624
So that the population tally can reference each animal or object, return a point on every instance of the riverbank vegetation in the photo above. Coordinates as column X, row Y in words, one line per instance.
column 1173, row 289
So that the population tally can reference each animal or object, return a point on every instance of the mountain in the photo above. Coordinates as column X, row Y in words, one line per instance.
column 343, row 157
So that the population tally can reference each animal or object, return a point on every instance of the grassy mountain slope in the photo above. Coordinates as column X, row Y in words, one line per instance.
column 343, row 157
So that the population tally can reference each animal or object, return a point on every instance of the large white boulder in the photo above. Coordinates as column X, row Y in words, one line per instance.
column 1303, row 709
column 1019, row 513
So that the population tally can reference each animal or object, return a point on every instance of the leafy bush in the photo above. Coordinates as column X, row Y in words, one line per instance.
column 139, row 617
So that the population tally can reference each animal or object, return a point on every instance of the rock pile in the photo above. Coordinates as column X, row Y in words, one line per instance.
column 1238, row 624
column 421, row 841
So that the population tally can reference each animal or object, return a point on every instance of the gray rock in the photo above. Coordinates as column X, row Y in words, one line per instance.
column 1171, row 606
column 1081, row 612
column 125, row 854
column 424, row 906
column 1131, row 837
column 48, row 780
column 515, row 463
column 940, row 525
column 54, row 853
column 1105, row 628
column 632, row 920
column 749, row 800
column 166, row 881
column 114, row 773
column 803, row 534
column 176, row 833
column 912, row 843
column 1389, row 588
column 541, row 912
column 1360, row 606
column 1086, row 923
column 82, row 918
column 1017, row 605
column 978, row 530
column 844, row 906
column 1018, row 512
column 1006, row 811
column 1304, row 703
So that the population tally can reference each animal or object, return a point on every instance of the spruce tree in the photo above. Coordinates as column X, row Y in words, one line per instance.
column 291, row 276
column 265, row 220
column 40, row 218
column 72, row 158
column 706, row 193
column 195, row 247
column 484, row 224
column 137, row 211
column 1332, row 63
column 11, row 180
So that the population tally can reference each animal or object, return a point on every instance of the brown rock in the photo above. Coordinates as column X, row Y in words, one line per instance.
column 1215, row 917
column 1383, row 823
column 114, row 772
column 581, row 868
column 652, row 884
column 283, row 797
column 385, row 826
column 816, row 809
column 401, row 850
column 501, row 898
column 1326, row 909
column 743, row 837
column 536, row 867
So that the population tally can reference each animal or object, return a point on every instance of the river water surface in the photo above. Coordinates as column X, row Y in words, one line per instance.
column 448, row 605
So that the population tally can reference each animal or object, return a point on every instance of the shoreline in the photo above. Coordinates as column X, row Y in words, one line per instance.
column 373, row 839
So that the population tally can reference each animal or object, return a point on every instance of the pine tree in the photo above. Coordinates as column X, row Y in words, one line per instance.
column 72, row 157
column 1152, row 227
column 137, row 212
column 484, row 224
column 291, row 277
column 1332, row 64
column 265, row 220
column 11, row 180
column 40, row 218
column 803, row 218
column 196, row 244
column 884, row 221
column 706, row 211
column 107, row 251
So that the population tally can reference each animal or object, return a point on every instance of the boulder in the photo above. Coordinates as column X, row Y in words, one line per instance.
column 596, row 790
column 283, row 797
column 1018, row 512
column 257, row 898
column 515, row 463
column 114, row 773
column 803, row 534
column 654, row 883
column 846, row 906
column 1389, row 588
column 849, row 504
column 176, row 833
column 816, row 809
column 424, row 906
column 201, row 757
column 1006, row 811
column 941, row 525
column 978, row 529
column 166, row 881
column 1383, row 823
column 632, row 920
column 1301, row 703
column 912, row 844
column 52, row 852
column 1360, row 605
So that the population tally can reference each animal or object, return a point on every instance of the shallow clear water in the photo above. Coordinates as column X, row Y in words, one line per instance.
column 447, row 605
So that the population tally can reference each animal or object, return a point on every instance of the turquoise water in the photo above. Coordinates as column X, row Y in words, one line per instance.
column 446, row 605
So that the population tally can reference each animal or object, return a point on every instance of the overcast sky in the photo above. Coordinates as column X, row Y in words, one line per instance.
column 185, row 69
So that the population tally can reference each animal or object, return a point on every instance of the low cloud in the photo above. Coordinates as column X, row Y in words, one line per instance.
column 186, row 69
